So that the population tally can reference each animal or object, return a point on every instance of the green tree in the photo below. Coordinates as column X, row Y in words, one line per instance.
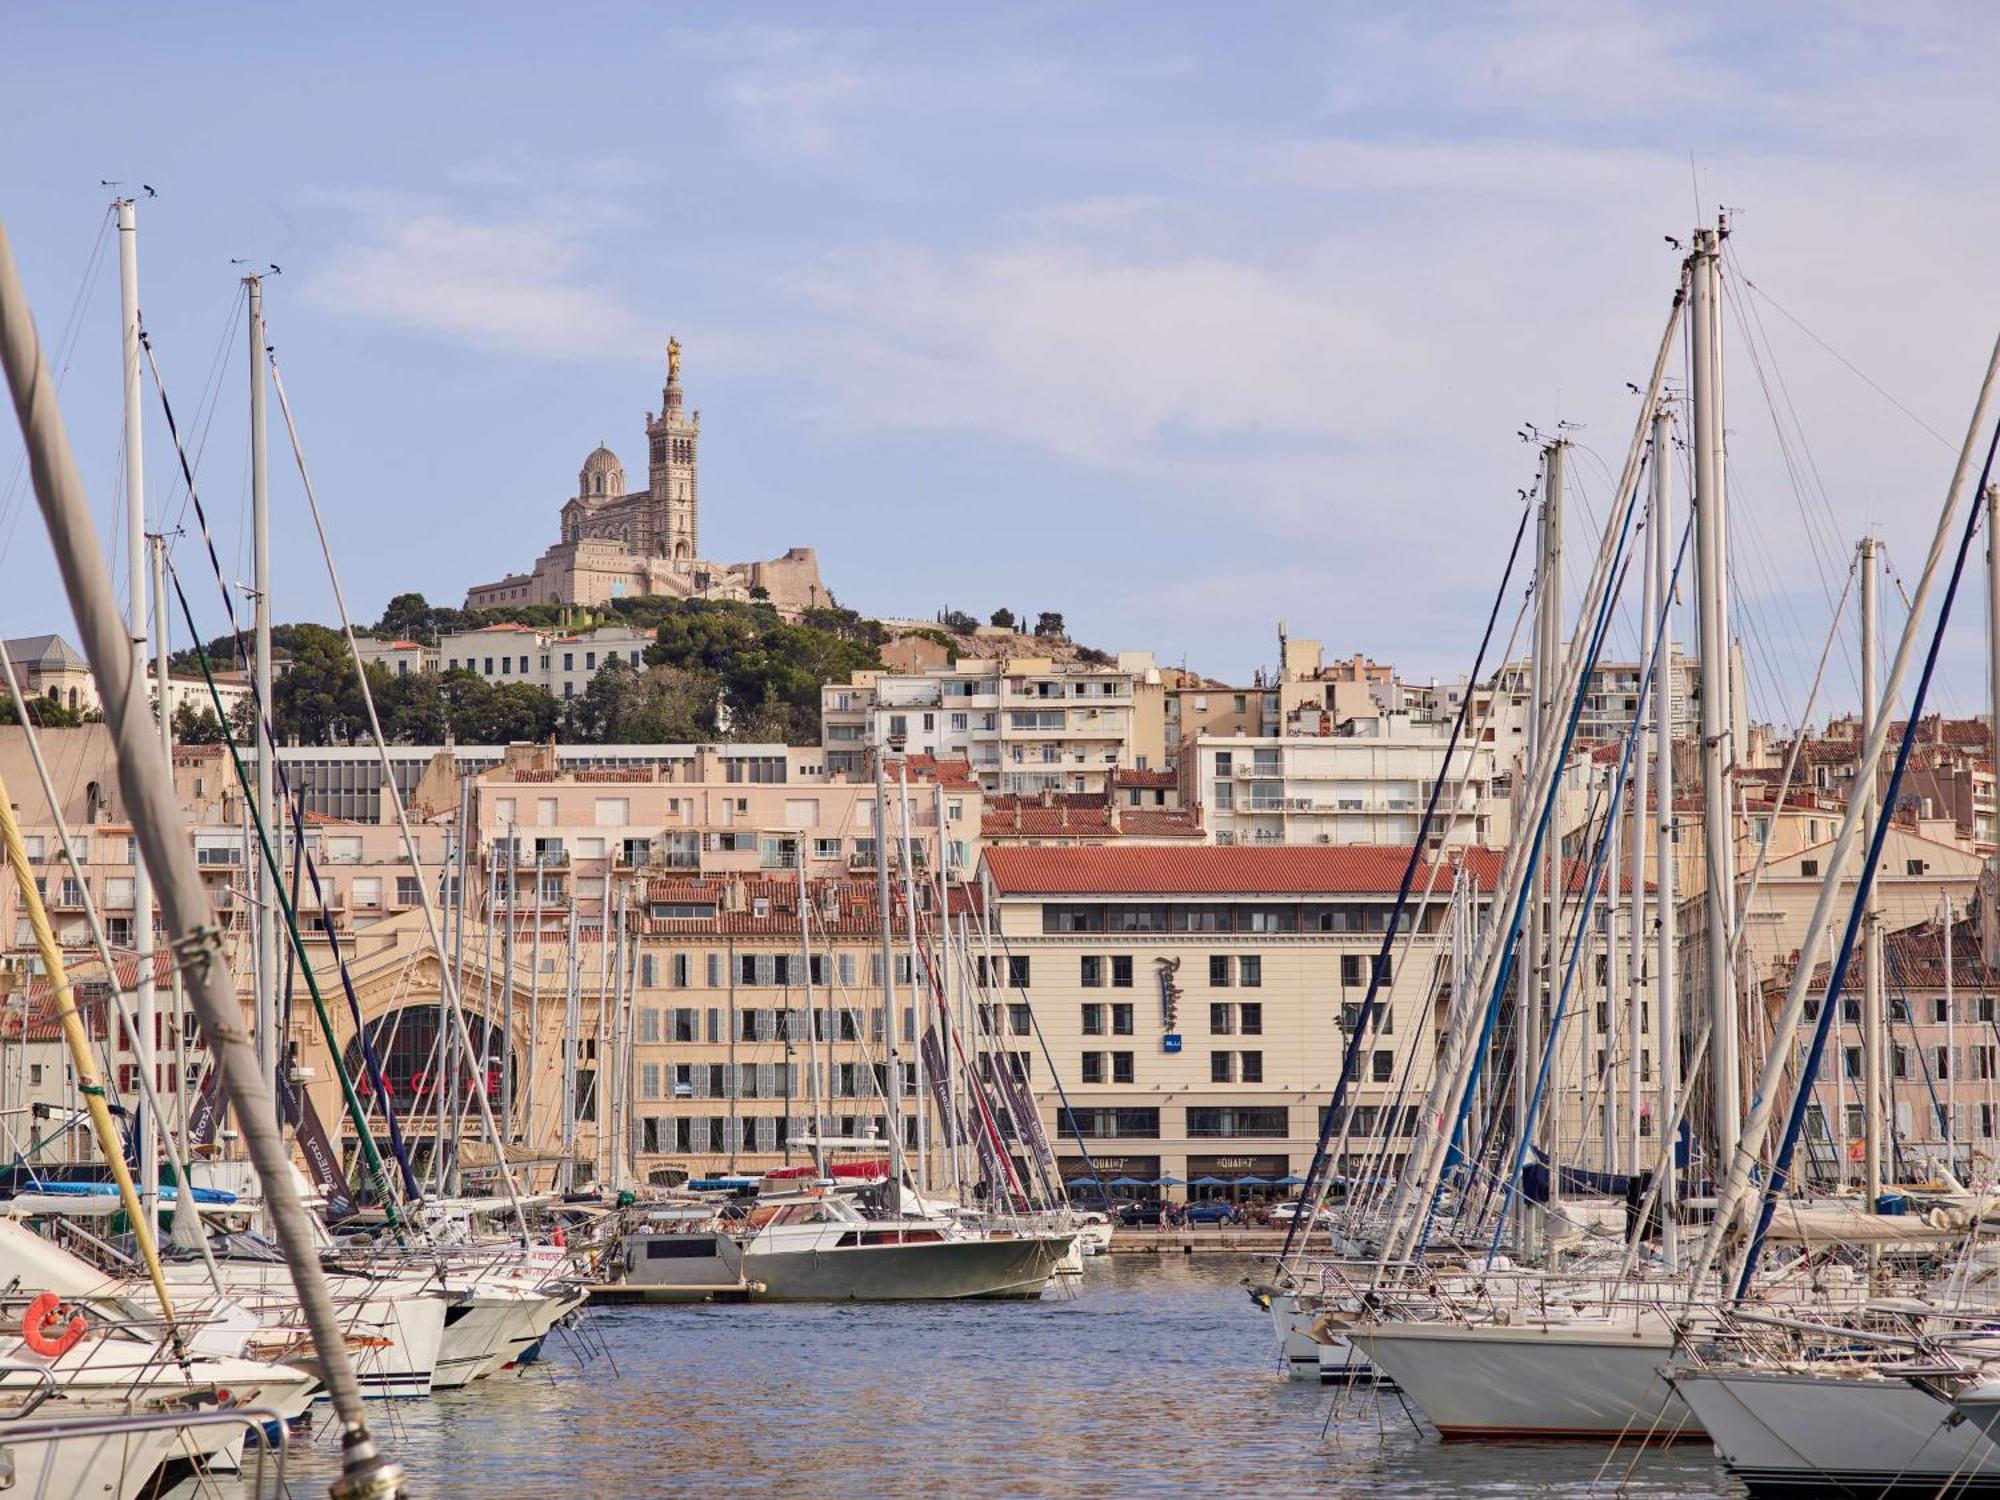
column 1003, row 618
column 413, row 709
column 196, row 725
column 43, row 713
column 958, row 622
column 657, row 705
column 318, row 698
column 1049, row 623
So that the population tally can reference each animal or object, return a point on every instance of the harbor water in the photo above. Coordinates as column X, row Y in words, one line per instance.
column 1157, row 1377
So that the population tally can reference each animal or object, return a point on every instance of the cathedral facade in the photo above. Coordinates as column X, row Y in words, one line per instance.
column 625, row 544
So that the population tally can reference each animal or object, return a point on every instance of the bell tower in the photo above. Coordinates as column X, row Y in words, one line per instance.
column 673, row 439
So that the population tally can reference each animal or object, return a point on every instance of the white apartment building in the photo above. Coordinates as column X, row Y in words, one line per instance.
column 1610, row 699
column 1366, row 784
column 561, row 664
column 1026, row 724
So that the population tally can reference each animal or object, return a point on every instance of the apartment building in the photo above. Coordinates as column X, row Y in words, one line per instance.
column 1025, row 724
column 1305, row 682
column 756, row 1016
column 1943, row 1061
column 1364, row 781
column 560, row 664
column 1196, row 1001
column 730, row 811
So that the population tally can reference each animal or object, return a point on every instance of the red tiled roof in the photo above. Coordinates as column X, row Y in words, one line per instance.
column 1210, row 869
column 1143, row 778
column 855, row 912
column 1235, row 870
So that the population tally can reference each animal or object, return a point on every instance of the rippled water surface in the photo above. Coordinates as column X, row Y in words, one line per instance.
column 1158, row 1377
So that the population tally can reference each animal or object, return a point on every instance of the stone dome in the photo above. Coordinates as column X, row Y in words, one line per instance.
column 602, row 476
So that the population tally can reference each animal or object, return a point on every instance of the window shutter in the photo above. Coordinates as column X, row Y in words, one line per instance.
column 909, row 1025
column 767, row 1080
column 847, row 968
column 714, row 1024
column 875, row 970
column 767, row 968
column 715, row 971
column 875, row 1024
column 698, row 1077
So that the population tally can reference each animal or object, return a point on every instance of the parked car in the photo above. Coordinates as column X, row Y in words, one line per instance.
column 1150, row 1213
column 1283, row 1214
column 1213, row 1211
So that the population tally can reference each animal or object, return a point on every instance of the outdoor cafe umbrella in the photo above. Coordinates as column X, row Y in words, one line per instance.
column 1168, row 1182
column 1253, row 1182
column 1290, row 1179
column 1208, row 1182
column 1128, row 1182
column 1081, row 1182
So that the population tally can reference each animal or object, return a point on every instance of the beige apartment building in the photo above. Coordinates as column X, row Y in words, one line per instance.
column 1196, row 1001
column 1025, row 725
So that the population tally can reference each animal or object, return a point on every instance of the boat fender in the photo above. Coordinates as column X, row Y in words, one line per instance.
column 558, row 1240
column 42, row 1312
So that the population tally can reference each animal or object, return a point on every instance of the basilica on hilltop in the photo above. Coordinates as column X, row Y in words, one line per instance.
column 626, row 544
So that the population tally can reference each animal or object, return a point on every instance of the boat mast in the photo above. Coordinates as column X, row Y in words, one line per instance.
column 572, row 1009
column 946, row 982
column 534, row 1020
column 1542, row 938
column 260, row 527
column 1725, row 1086
column 1666, row 1000
column 507, row 994
column 143, row 1047
column 892, row 1094
column 920, row 1104
column 1635, row 875
column 1950, row 1045
column 143, row 911
column 1872, row 1024
column 812, row 1019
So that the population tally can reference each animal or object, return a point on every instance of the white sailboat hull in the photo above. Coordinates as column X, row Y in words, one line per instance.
column 1322, row 1355
column 1789, row 1432
column 1596, row 1381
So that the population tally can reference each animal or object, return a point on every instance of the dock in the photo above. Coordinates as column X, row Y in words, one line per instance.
column 1219, row 1240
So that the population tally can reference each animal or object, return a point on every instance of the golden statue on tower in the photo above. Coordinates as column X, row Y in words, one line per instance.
column 673, row 360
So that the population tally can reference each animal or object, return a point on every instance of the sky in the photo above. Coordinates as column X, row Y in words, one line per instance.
column 1182, row 320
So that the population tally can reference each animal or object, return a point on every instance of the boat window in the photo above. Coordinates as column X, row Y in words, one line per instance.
column 681, row 1247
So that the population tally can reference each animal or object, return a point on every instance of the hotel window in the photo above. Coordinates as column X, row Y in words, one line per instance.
column 1020, row 1020
column 1121, row 1067
column 1092, row 975
column 1382, row 1067
column 1221, row 1018
column 1093, row 1067
column 1250, row 971
column 1222, row 1067
column 1093, row 1020
column 1121, row 1019
column 1351, row 969
column 1017, row 973
column 1250, row 1018
column 1218, row 971
column 1121, row 971
column 1252, row 1066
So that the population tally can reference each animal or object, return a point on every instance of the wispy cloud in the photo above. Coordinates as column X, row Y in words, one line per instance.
column 522, row 282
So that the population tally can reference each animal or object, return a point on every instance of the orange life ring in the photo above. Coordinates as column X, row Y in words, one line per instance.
column 42, row 1312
